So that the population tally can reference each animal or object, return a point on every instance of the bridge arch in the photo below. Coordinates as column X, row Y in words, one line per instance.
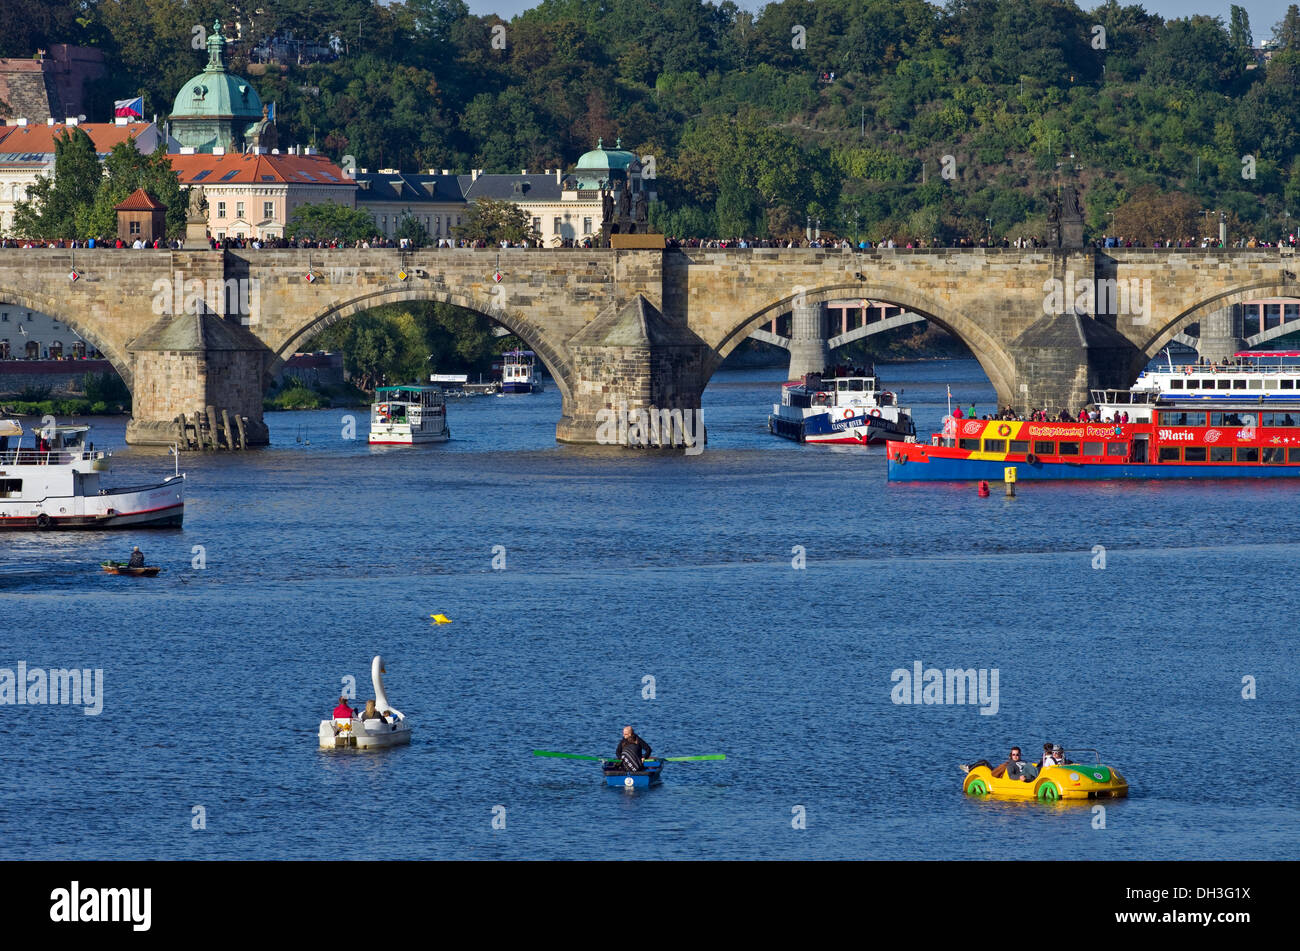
column 993, row 358
column 556, row 363
column 1198, row 312
column 85, row 330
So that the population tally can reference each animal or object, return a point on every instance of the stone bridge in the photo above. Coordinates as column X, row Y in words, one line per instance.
column 190, row 329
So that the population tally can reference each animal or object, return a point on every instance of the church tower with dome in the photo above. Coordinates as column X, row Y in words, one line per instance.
column 217, row 109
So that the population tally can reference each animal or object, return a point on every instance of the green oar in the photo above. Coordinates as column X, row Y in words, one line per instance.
column 599, row 759
column 692, row 759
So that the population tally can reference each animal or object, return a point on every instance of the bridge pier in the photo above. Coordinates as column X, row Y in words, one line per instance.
column 1060, row 358
column 186, row 363
column 809, row 352
column 636, row 380
column 1221, row 335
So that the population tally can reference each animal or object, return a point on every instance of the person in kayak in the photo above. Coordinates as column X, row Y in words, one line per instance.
column 137, row 558
column 632, row 750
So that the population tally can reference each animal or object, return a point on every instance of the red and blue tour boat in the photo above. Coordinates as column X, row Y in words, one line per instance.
column 1243, row 432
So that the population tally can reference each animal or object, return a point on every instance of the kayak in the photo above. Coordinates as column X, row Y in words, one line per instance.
column 121, row 568
column 641, row 779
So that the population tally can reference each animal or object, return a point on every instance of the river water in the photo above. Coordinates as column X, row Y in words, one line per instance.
column 319, row 552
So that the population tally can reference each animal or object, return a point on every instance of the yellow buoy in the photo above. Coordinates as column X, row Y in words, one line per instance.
column 440, row 618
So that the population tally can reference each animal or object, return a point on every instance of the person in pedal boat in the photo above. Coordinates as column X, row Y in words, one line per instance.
column 343, row 711
column 1013, row 768
column 137, row 558
column 371, row 713
column 632, row 750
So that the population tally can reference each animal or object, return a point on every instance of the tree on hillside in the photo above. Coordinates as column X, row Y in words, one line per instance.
column 1287, row 32
column 1239, row 29
column 59, row 206
column 1151, row 215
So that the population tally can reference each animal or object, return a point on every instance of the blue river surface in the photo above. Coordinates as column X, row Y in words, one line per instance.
column 1171, row 649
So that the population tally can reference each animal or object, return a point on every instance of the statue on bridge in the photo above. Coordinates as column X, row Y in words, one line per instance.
column 1065, row 219
column 607, row 204
column 198, row 205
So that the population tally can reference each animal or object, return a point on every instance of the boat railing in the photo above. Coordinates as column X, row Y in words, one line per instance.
column 49, row 457
column 1221, row 369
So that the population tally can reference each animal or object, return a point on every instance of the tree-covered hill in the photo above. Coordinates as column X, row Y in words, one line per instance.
column 940, row 121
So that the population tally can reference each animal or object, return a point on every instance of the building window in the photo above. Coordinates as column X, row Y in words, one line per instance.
column 586, row 226
column 135, row 227
column 221, row 209
column 268, row 209
column 537, row 225
column 555, row 225
column 4, row 318
column 239, row 209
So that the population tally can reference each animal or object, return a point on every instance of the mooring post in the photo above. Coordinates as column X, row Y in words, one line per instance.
column 211, row 414
column 239, row 421
column 228, row 434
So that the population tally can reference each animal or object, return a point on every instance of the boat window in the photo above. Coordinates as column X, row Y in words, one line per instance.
column 1168, row 453
column 1175, row 384
column 1247, row 454
column 1274, row 455
column 1286, row 384
column 1227, row 419
column 972, row 444
column 1194, row 454
column 1225, row 384
column 1220, row 454
column 1256, row 384
column 995, row 445
column 1020, row 445
column 1180, row 418
column 855, row 386
column 1238, row 384
column 1293, row 455
column 1067, row 449
column 1093, row 448
column 1193, row 384
column 11, row 488
column 1117, row 449
column 1044, row 448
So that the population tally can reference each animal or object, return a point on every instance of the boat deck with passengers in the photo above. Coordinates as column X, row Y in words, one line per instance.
column 1155, row 438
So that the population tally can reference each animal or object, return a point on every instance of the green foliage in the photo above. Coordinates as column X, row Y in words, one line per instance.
column 105, row 388
column 61, row 206
column 296, row 396
column 327, row 221
column 494, row 221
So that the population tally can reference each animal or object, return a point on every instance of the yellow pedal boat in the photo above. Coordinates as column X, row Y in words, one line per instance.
column 1074, row 781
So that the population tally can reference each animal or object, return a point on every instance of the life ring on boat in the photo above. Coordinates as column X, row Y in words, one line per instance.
column 43, row 521
column 1187, row 370
column 383, row 409
column 848, row 414
column 1031, row 459
column 876, row 412
column 1004, row 430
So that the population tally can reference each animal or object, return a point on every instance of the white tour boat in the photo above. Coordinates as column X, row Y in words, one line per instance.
column 353, row 732
column 834, row 408
column 408, row 415
column 1253, row 376
column 519, row 372
column 55, row 483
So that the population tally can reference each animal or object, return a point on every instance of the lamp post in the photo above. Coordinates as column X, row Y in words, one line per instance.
column 807, row 228
column 855, row 229
column 988, row 225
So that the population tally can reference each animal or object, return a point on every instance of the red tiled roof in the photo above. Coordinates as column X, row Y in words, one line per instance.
column 243, row 169
column 139, row 200
column 40, row 138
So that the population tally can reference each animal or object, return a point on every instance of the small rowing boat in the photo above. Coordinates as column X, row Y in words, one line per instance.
column 122, row 568
column 617, row 775
column 641, row 779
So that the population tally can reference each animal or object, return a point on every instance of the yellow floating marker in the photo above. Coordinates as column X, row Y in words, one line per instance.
column 440, row 618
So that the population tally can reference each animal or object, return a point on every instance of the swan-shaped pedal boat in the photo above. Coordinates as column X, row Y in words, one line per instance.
column 338, row 733
column 1073, row 781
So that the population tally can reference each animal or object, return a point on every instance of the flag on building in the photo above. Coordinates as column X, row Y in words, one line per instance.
column 270, row 112
column 129, row 108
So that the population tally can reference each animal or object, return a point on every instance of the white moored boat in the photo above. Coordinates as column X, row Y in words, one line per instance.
column 55, row 483
column 1252, row 376
column 839, row 407
column 408, row 416
column 519, row 372
column 392, row 730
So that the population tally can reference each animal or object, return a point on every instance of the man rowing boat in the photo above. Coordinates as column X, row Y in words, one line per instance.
column 632, row 750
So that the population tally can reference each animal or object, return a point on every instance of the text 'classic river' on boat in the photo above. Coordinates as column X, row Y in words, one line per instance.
column 55, row 483
column 1239, row 420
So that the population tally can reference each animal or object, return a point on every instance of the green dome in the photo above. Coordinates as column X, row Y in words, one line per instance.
column 603, row 159
column 215, row 92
